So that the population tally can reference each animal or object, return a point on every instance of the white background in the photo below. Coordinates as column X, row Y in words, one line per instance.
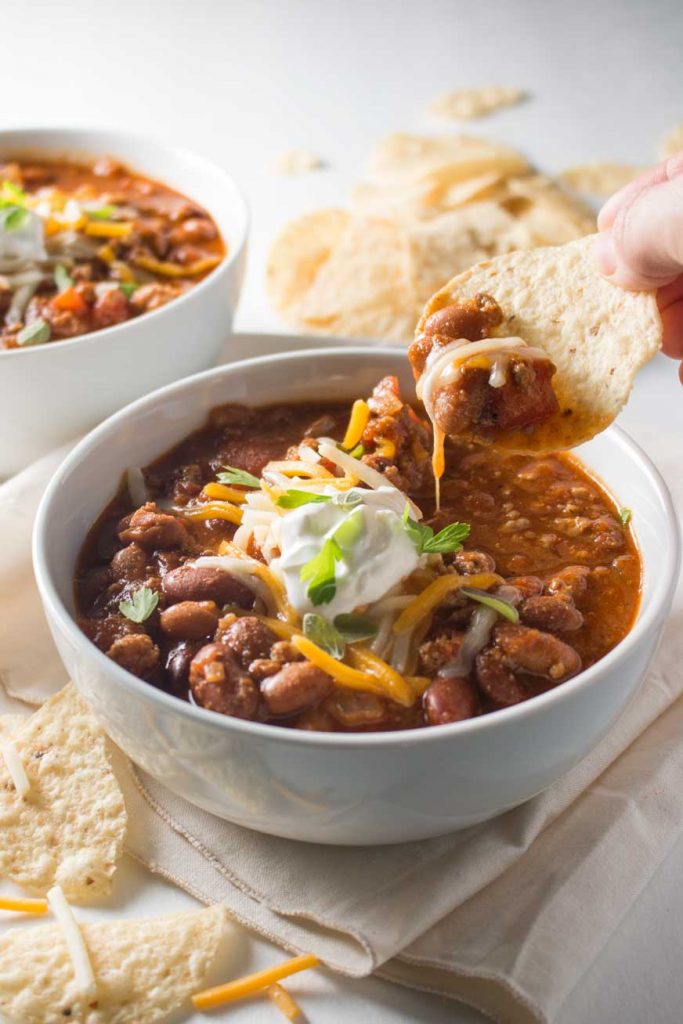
column 241, row 83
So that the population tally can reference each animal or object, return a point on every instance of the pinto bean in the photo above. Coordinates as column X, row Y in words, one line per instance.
column 137, row 653
column 450, row 699
column 190, row 620
column 219, row 683
column 297, row 686
column 130, row 563
column 571, row 582
column 528, row 586
column 522, row 649
column 315, row 720
column 497, row 681
column 471, row 320
column 204, row 583
column 194, row 229
column 249, row 639
column 439, row 651
column 153, row 529
column 551, row 612
column 355, row 709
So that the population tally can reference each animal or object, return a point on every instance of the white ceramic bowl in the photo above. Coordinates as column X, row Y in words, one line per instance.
column 52, row 393
column 366, row 788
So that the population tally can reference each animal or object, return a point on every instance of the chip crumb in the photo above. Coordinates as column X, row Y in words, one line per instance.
column 297, row 161
column 600, row 179
column 467, row 104
column 672, row 142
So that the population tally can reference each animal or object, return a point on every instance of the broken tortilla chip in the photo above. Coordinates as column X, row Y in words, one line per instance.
column 466, row 104
column 403, row 158
column 69, row 828
column 600, row 179
column 143, row 969
column 597, row 334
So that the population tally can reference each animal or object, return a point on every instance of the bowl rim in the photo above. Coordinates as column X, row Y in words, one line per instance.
column 648, row 613
column 191, row 158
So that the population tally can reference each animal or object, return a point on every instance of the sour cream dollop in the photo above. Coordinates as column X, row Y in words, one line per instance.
column 377, row 552
column 21, row 244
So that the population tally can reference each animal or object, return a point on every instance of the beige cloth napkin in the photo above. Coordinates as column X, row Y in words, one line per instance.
column 506, row 916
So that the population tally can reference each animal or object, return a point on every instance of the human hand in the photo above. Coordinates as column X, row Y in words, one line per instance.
column 640, row 245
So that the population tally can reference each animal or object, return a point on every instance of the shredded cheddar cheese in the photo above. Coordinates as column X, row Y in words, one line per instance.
column 290, row 467
column 425, row 603
column 281, row 998
column 221, row 492
column 23, row 905
column 247, row 986
column 396, row 686
column 213, row 510
column 167, row 269
column 109, row 228
column 385, row 448
column 358, row 421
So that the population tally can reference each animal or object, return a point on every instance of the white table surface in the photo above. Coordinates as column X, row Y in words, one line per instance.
column 243, row 81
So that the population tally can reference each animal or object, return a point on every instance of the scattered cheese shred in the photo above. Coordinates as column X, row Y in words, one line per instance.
column 85, row 976
column 385, row 448
column 213, row 510
column 167, row 269
column 345, row 675
column 425, row 603
column 109, row 229
column 15, row 767
column 23, row 905
column 281, row 998
column 358, row 421
column 290, row 467
column 396, row 686
column 252, row 983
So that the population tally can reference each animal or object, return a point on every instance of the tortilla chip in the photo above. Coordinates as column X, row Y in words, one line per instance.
column 366, row 280
column 600, row 179
column 403, row 158
column 144, row 969
column 9, row 725
column 69, row 828
column 297, row 254
column 672, row 142
column 466, row 104
column 597, row 334
column 297, row 161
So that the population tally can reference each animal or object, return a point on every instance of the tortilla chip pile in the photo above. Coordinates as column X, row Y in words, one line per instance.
column 69, row 828
column 431, row 207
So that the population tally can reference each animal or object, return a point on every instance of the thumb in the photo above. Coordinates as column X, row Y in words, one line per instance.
column 641, row 244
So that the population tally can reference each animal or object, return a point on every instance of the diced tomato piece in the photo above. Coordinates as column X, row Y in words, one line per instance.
column 70, row 300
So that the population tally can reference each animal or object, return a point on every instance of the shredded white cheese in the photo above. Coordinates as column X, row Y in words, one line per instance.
column 15, row 767
column 361, row 471
column 83, row 972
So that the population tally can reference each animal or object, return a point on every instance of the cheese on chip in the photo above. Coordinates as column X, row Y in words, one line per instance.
column 143, row 970
column 68, row 828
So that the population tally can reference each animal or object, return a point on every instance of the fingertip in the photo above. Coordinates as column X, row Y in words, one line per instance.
column 604, row 253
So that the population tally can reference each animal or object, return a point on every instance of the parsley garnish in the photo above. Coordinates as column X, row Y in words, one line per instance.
column 231, row 475
column 128, row 287
column 319, row 573
column 294, row 499
column 429, row 543
column 14, row 217
column 333, row 637
column 625, row 516
column 504, row 608
column 35, row 333
column 141, row 606
column 63, row 279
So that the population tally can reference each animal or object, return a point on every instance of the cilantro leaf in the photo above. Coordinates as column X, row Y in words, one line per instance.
column 429, row 543
column 322, row 633
column 12, row 193
column 63, row 279
column 352, row 627
column 504, row 608
column 358, row 451
column 625, row 516
column 231, row 475
column 36, row 333
column 128, row 287
column 294, row 499
column 104, row 212
column 319, row 573
column 142, row 605
column 350, row 529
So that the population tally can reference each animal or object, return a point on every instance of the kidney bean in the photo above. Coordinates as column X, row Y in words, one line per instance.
column 219, row 683
column 551, row 612
column 355, row 709
column 450, row 699
column 130, row 563
column 572, row 581
column 137, row 653
column 522, row 649
column 177, row 666
column 297, row 686
column 152, row 529
column 249, row 639
column 190, row 620
column 188, row 583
